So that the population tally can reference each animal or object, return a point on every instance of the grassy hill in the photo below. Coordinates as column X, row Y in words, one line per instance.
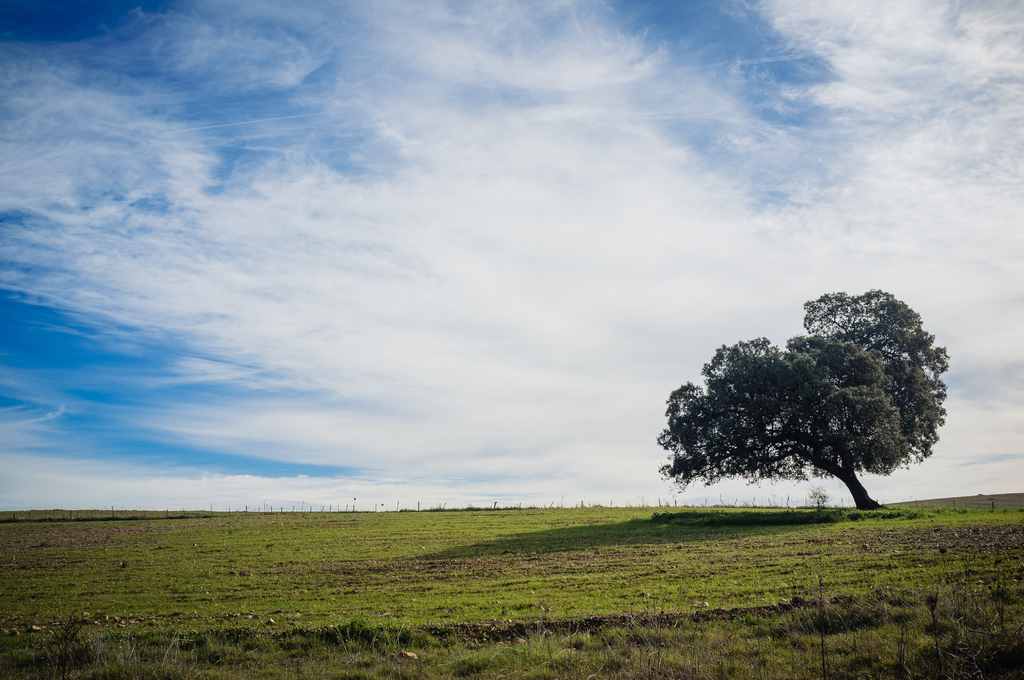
column 999, row 501
column 582, row 592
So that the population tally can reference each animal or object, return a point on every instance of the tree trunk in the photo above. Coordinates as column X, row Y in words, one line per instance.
column 860, row 494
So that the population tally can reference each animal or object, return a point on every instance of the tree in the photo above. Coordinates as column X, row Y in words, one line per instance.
column 818, row 497
column 860, row 393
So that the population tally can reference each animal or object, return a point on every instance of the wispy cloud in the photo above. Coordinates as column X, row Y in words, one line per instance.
column 485, row 241
column 246, row 122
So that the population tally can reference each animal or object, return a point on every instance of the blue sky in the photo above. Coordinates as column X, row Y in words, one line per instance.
column 462, row 251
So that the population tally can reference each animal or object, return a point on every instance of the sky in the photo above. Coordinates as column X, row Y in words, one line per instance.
column 448, row 253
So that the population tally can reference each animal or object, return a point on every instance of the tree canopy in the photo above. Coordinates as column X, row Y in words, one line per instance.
column 860, row 393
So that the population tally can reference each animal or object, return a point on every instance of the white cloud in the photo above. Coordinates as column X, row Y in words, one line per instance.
column 529, row 259
column 929, row 99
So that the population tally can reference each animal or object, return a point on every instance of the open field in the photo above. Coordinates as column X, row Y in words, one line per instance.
column 516, row 593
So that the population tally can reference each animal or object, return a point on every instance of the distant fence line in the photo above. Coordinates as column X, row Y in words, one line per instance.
column 997, row 502
column 93, row 514
column 107, row 514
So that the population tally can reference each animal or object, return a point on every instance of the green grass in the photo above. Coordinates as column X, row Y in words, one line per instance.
column 351, row 591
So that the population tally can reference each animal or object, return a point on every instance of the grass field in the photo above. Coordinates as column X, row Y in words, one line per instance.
column 516, row 593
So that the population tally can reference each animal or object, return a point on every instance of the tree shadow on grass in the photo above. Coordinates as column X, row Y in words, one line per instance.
column 683, row 526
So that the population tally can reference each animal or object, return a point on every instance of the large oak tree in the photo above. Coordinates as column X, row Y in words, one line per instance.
column 860, row 393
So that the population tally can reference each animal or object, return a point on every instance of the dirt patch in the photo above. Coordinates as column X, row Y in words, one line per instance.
column 1000, row 539
column 77, row 536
